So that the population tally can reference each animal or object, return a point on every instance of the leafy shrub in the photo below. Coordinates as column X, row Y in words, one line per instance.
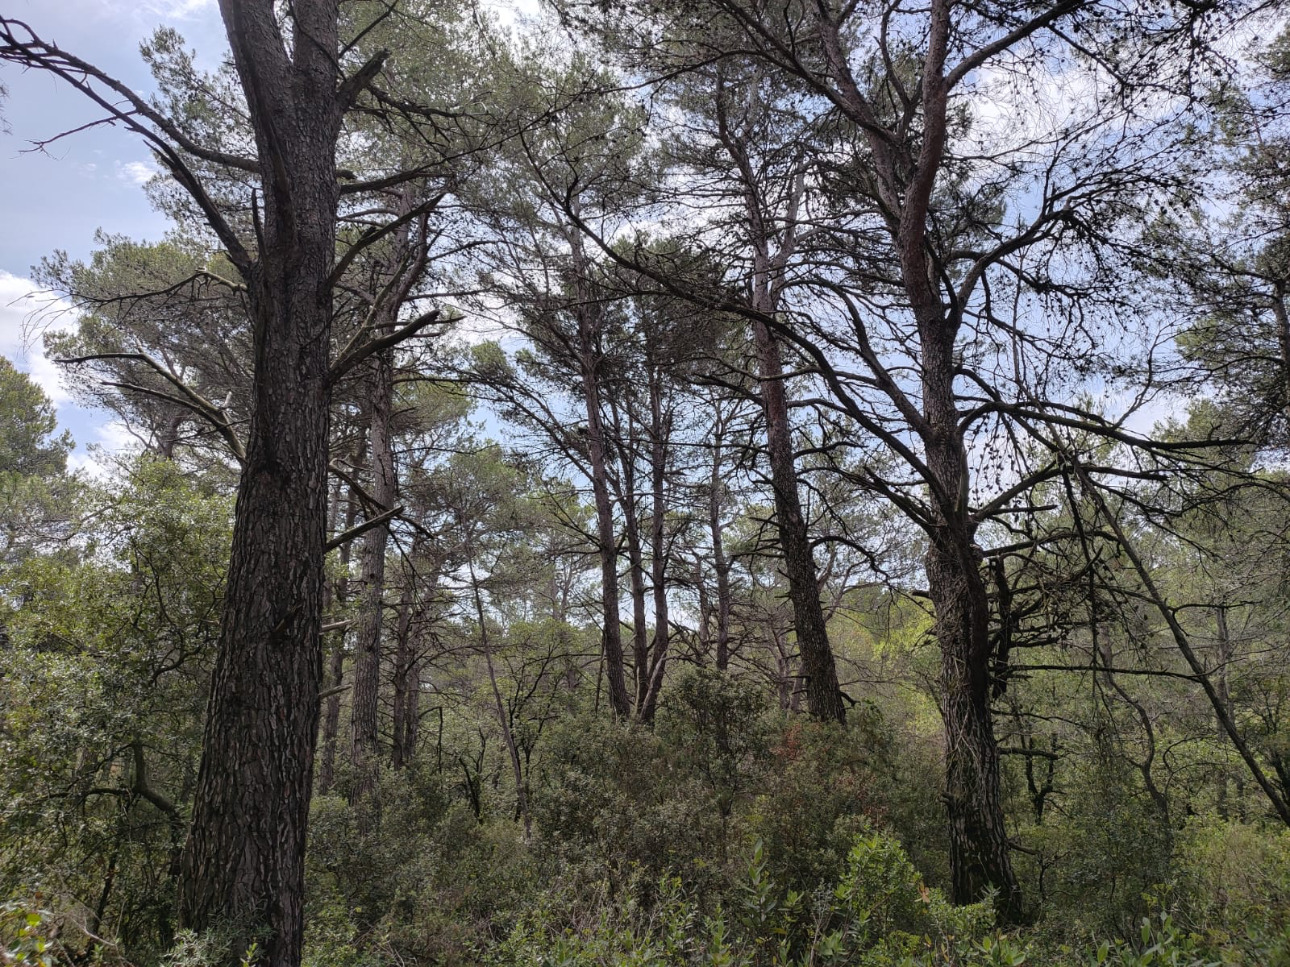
column 879, row 913
column 1232, row 886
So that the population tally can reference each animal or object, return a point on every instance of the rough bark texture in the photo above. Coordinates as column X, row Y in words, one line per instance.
column 905, row 171
column 979, row 852
column 243, row 866
column 978, row 842
column 819, row 673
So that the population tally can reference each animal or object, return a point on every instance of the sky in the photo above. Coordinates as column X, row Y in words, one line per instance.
column 59, row 197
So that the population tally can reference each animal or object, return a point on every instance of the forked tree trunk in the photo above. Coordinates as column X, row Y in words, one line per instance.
column 905, row 174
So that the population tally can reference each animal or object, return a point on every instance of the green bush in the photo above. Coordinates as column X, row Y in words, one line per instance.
column 1232, row 887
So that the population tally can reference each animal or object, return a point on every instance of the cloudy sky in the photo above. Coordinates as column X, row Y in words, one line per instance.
column 57, row 198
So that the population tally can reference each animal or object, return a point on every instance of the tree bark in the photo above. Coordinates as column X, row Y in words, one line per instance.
column 905, row 174
column 243, row 866
column 658, row 547
column 588, row 365
column 720, row 563
column 405, row 684
column 819, row 673
column 336, row 666
column 367, row 653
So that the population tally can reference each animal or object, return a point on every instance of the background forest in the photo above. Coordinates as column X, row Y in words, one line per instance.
column 731, row 482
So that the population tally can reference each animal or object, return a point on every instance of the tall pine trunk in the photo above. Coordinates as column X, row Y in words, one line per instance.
column 720, row 562
column 365, row 750
column 243, row 865
column 606, row 539
column 819, row 673
column 979, row 851
column 658, row 428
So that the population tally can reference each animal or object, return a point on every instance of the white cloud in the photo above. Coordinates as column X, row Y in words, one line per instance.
column 26, row 314
column 96, row 460
column 180, row 9
column 135, row 172
column 149, row 10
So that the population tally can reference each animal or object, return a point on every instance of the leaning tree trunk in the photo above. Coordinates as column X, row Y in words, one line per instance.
column 243, row 866
column 819, row 673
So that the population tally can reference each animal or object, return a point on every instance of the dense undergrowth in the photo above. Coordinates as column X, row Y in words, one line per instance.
column 729, row 834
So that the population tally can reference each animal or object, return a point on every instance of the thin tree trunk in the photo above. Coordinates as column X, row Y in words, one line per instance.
column 636, row 583
column 625, row 491
column 336, row 666
column 367, row 649
column 720, row 563
column 1224, row 694
column 1183, row 642
column 404, row 685
column 612, row 632
column 819, row 673
column 658, row 548
column 503, row 718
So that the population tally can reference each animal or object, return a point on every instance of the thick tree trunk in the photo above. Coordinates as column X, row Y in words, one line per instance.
column 243, row 866
column 819, row 673
column 365, row 749
column 979, row 857
column 979, row 852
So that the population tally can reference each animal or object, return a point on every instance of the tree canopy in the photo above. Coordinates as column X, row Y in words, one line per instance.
column 717, row 482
